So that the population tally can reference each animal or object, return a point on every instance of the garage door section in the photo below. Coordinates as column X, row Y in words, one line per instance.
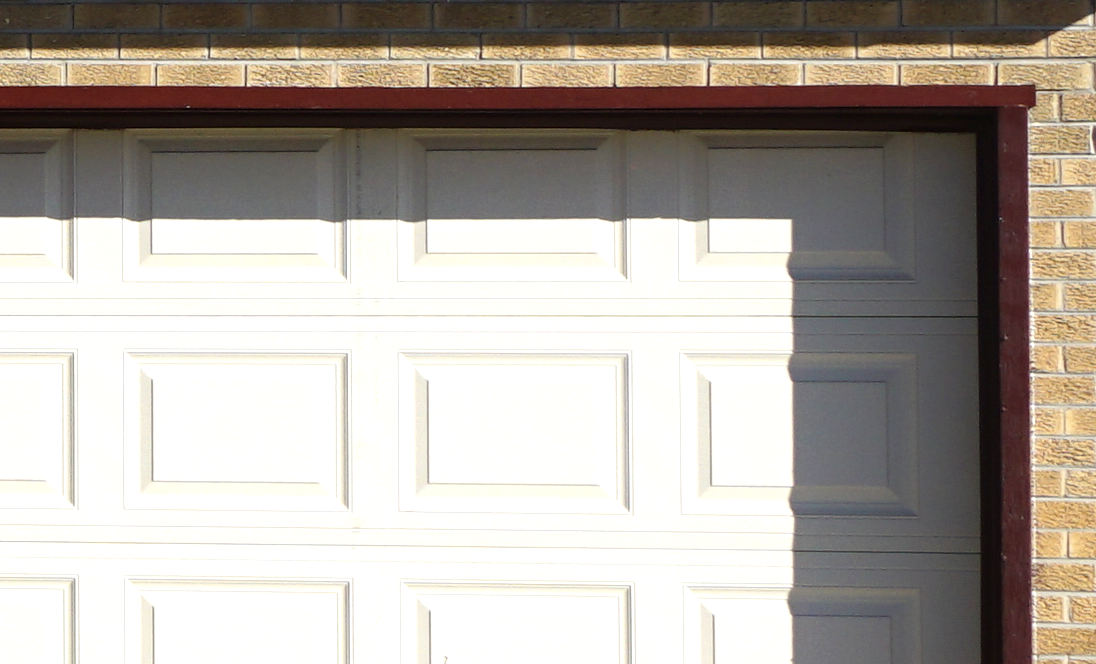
column 456, row 397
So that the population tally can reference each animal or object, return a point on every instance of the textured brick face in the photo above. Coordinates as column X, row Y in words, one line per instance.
column 1050, row 44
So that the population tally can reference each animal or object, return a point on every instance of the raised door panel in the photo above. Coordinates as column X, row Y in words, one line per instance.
column 513, row 206
column 235, row 206
column 36, row 228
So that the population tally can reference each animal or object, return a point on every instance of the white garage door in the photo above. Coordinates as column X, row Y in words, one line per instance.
column 472, row 397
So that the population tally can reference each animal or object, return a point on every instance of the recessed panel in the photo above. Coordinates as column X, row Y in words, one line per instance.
column 240, row 426
column 36, row 625
column 235, row 206
column 804, row 625
column 816, row 433
column 36, row 430
column 527, row 206
column 818, row 208
column 515, row 430
column 223, row 622
column 501, row 624
column 35, row 206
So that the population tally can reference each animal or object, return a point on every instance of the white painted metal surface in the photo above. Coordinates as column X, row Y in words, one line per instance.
column 473, row 397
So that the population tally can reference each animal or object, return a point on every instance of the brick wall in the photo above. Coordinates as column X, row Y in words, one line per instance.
column 1051, row 43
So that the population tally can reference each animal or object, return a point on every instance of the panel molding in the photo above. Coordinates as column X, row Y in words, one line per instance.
column 143, row 595
column 53, row 261
column 604, row 258
column 902, row 606
column 144, row 491
column 417, row 619
column 66, row 586
column 608, row 495
column 698, row 261
column 898, row 497
column 327, row 263
column 58, row 491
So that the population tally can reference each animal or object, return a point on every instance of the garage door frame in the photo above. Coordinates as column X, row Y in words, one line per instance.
column 997, row 116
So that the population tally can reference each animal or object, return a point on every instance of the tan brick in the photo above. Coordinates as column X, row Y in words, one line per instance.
column 1000, row 43
column 473, row 75
column 664, row 15
column 715, row 45
column 69, row 47
column 14, row 46
column 1047, row 483
column 1050, row 608
column 896, row 44
column 1063, row 576
column 1048, row 421
column 22, row 16
column 204, row 16
column 299, row 75
column 858, row 74
column 1080, row 421
column 1061, row 202
column 287, row 16
column 1081, row 610
column 658, row 75
column 758, row 13
column 1063, row 265
column 1066, row 327
column 947, row 74
column 1081, row 483
column 619, row 47
column 1079, row 107
column 435, row 46
column 344, row 47
column 1046, row 297
column 202, row 75
column 478, row 15
column 1040, row 12
column 566, row 15
column 1079, row 297
column 566, row 75
column 754, row 74
column 1082, row 545
column 853, row 13
column 1047, row 107
column 1059, row 140
column 253, row 47
column 1080, row 359
column 1080, row 234
column 1056, row 76
column 30, row 73
column 531, row 46
column 112, row 74
column 116, row 15
column 383, row 75
column 386, row 15
column 1073, row 44
column 1062, row 389
column 1079, row 171
column 1044, row 234
column 1065, row 514
column 1043, row 171
column 164, row 47
column 1050, row 544
column 808, row 45
column 1065, row 641
column 1046, row 359
column 1064, row 451
column 948, row 12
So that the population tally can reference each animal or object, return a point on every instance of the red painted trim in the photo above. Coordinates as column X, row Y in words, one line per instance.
column 1013, row 371
column 510, row 99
